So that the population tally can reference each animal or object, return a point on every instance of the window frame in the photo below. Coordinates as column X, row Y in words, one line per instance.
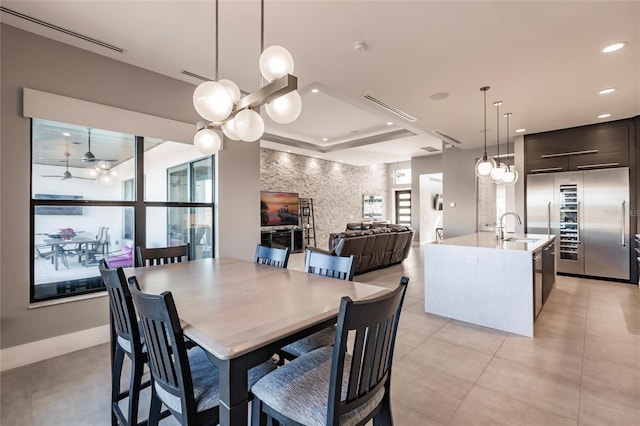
column 138, row 204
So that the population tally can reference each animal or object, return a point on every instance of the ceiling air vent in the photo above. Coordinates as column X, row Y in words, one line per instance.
column 389, row 108
column 62, row 30
column 430, row 149
column 194, row 75
column 445, row 136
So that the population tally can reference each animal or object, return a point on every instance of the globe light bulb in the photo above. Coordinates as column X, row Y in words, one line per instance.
column 232, row 88
column 286, row 108
column 485, row 165
column 498, row 172
column 249, row 126
column 213, row 101
column 103, row 165
column 229, row 130
column 105, row 179
column 207, row 141
column 275, row 62
column 510, row 176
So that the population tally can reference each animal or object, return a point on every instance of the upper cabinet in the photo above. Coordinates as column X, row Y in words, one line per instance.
column 579, row 148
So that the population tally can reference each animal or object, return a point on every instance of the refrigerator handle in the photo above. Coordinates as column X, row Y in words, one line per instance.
column 622, row 242
column 578, row 223
column 549, row 218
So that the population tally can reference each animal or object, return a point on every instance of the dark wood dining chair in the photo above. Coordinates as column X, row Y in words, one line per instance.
column 187, row 383
column 330, row 266
column 162, row 255
column 339, row 385
column 125, row 340
column 272, row 256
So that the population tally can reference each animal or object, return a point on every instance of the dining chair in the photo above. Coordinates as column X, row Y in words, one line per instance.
column 330, row 266
column 97, row 249
column 187, row 383
column 272, row 256
column 126, row 340
column 162, row 255
column 346, row 384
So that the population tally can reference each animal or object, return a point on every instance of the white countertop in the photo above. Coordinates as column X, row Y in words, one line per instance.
column 488, row 240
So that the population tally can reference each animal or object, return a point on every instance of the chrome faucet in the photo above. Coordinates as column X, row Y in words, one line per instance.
column 500, row 227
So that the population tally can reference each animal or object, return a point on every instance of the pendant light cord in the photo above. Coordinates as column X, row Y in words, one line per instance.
column 484, row 90
column 215, row 69
column 498, row 131
column 508, row 115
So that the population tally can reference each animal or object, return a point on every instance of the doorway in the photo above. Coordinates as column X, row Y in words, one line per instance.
column 431, row 204
column 403, row 207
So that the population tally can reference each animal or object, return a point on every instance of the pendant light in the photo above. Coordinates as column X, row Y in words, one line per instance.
column 511, row 175
column 220, row 102
column 485, row 165
column 498, row 172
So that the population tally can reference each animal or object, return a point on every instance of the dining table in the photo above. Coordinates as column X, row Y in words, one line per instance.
column 241, row 313
column 58, row 244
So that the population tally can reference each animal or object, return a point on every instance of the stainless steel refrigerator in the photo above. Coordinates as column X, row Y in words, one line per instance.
column 588, row 211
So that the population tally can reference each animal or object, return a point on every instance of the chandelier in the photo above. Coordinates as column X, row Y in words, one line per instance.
column 220, row 101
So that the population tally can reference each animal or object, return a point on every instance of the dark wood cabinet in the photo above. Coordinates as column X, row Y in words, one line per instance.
column 291, row 238
column 579, row 148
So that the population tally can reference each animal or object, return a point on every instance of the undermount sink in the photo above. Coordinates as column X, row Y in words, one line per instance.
column 522, row 240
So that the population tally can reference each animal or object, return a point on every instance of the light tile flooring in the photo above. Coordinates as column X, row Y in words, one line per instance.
column 583, row 366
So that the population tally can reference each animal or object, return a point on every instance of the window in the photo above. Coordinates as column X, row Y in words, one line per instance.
column 85, row 206
column 402, row 176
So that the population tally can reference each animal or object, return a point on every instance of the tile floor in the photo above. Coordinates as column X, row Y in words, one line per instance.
column 583, row 366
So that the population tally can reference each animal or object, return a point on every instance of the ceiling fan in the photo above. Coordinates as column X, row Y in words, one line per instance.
column 67, row 174
column 89, row 157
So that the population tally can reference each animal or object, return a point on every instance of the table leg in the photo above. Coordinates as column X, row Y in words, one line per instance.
column 234, row 395
column 56, row 251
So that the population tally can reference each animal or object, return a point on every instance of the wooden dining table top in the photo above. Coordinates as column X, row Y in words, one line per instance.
column 231, row 307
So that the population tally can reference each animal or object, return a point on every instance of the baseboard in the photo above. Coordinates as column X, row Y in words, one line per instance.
column 18, row 356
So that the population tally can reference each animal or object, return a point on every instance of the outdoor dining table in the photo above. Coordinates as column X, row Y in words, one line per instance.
column 240, row 313
column 57, row 246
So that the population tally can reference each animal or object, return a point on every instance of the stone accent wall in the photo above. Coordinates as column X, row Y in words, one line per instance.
column 337, row 189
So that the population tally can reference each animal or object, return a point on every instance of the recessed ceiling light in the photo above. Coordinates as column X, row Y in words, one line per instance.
column 389, row 123
column 607, row 90
column 314, row 90
column 614, row 47
column 604, row 116
column 521, row 130
column 288, row 150
column 324, row 139
column 66, row 134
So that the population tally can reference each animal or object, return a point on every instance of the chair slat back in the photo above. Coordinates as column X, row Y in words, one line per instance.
column 328, row 265
column 122, row 310
column 375, row 323
column 162, row 255
column 272, row 256
column 168, row 359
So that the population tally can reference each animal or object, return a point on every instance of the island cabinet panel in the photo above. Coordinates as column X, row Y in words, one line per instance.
column 480, row 280
column 579, row 148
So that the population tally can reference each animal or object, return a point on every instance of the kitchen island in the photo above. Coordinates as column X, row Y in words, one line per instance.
column 494, row 283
